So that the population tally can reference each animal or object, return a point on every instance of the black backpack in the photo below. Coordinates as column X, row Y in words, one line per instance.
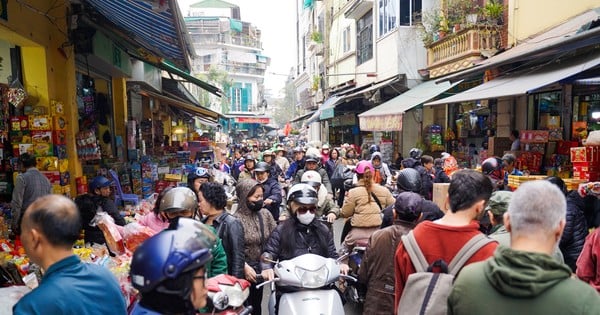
column 88, row 206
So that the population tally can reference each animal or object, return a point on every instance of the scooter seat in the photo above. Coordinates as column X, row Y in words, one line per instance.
column 362, row 242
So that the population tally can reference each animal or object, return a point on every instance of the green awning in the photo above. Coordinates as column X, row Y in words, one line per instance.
column 174, row 70
column 213, row 4
column 236, row 25
column 308, row 4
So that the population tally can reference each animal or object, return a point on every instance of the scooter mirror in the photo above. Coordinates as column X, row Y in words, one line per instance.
column 220, row 301
column 267, row 258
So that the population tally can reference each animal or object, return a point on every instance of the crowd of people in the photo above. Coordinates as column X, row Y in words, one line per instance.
column 522, row 247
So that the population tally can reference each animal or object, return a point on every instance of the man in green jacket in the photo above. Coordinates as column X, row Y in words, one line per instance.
column 525, row 278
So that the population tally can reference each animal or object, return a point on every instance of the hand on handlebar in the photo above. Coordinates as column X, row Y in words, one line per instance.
column 331, row 217
column 344, row 269
column 268, row 274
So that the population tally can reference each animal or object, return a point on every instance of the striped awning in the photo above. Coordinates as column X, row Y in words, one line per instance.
column 159, row 30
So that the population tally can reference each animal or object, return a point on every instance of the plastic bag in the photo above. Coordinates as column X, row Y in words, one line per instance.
column 593, row 138
column 135, row 234
column 340, row 174
column 114, row 240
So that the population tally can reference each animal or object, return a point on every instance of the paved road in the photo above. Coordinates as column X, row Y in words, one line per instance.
column 349, row 307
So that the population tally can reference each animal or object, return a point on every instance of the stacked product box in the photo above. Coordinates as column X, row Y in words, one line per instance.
column 586, row 163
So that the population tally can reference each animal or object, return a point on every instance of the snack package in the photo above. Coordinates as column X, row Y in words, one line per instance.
column 113, row 238
column 135, row 234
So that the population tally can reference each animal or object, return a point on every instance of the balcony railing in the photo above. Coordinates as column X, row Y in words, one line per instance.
column 457, row 51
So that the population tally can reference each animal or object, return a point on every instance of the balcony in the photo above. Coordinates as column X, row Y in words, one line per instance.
column 461, row 50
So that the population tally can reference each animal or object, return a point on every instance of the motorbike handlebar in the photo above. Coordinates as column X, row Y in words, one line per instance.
column 351, row 278
column 258, row 286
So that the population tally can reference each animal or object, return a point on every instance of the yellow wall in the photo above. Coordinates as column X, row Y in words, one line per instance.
column 48, row 72
column 529, row 17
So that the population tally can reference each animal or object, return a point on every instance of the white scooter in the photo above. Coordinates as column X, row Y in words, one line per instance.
column 309, row 282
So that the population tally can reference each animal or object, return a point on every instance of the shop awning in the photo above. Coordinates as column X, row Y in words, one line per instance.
column 388, row 116
column 161, row 32
column 524, row 82
column 302, row 117
column 186, row 76
column 326, row 110
column 183, row 105
column 374, row 87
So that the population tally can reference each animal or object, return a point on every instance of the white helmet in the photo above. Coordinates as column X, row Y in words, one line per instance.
column 311, row 177
column 303, row 193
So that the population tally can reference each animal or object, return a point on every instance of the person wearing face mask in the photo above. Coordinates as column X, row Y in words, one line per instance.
column 258, row 224
column 301, row 234
column 325, row 205
column 182, row 202
column 272, row 188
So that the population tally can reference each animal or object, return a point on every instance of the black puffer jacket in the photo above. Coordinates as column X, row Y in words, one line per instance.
column 292, row 239
column 431, row 212
column 272, row 190
column 576, row 230
column 231, row 232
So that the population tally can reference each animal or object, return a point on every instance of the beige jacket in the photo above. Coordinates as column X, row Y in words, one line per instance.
column 363, row 212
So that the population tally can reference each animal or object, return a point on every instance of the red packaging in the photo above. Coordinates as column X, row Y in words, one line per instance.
column 579, row 154
column 564, row 147
column 534, row 136
column 59, row 137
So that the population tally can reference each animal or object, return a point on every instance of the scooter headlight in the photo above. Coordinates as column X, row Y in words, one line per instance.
column 313, row 278
column 236, row 294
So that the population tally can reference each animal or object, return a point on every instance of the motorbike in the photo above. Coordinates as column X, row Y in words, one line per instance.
column 227, row 295
column 355, row 292
column 306, row 282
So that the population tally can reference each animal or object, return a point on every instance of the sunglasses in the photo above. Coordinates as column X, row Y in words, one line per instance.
column 303, row 210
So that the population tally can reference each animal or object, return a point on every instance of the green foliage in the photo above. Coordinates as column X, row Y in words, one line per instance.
column 316, row 37
column 493, row 10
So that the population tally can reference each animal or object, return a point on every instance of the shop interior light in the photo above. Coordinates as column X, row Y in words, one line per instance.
column 596, row 115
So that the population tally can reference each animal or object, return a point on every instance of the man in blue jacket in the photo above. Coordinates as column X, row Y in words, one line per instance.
column 49, row 229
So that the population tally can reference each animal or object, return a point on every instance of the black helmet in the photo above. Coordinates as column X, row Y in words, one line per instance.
column 262, row 167
column 374, row 148
column 312, row 158
column 163, row 258
column 409, row 179
column 490, row 165
column 303, row 193
column 415, row 153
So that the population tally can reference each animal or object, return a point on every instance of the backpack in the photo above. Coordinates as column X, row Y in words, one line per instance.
column 426, row 291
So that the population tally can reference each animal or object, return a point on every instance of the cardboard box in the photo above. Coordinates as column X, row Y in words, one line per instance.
column 579, row 154
column 534, row 136
column 53, row 177
column 59, row 137
column 43, row 149
column 548, row 121
column 440, row 194
column 497, row 145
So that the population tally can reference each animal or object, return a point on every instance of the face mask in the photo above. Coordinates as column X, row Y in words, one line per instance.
column 306, row 218
column 350, row 155
column 256, row 205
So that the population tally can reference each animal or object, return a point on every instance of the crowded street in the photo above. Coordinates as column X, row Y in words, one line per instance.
column 265, row 157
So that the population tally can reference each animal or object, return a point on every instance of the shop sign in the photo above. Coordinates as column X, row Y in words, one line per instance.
column 381, row 123
column 326, row 113
column 343, row 120
column 3, row 10
column 253, row 120
column 111, row 54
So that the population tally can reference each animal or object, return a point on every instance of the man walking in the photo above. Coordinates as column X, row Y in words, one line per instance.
column 50, row 227
column 29, row 185
column 525, row 278
column 442, row 239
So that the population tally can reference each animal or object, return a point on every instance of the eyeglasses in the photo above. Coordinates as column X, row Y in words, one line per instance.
column 199, row 277
column 303, row 210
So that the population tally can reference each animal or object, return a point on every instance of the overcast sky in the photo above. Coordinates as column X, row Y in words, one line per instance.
column 277, row 21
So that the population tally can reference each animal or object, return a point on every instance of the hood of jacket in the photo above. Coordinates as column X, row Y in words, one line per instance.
column 242, row 189
column 524, row 274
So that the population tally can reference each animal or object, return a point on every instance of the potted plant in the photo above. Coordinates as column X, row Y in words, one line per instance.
column 493, row 11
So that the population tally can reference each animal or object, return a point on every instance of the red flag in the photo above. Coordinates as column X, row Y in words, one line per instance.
column 287, row 129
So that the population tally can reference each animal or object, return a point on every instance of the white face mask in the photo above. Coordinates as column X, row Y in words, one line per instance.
column 306, row 218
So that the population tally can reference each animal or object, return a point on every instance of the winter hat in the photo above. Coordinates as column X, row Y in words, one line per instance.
column 408, row 206
column 498, row 203
column 363, row 165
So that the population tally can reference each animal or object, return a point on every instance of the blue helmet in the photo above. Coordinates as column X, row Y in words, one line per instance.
column 99, row 182
column 171, row 254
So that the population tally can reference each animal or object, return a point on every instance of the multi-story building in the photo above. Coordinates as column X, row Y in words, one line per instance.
column 230, row 54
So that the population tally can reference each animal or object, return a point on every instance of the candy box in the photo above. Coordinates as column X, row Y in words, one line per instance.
column 534, row 136
column 47, row 163
column 43, row 149
column 53, row 177
column 59, row 122
column 38, row 136
column 24, row 148
column 579, row 154
column 59, row 137
column 39, row 122
column 19, row 123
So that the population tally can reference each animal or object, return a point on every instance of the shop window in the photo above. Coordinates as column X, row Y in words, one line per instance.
column 586, row 115
column 388, row 16
column 364, row 38
column 547, row 110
